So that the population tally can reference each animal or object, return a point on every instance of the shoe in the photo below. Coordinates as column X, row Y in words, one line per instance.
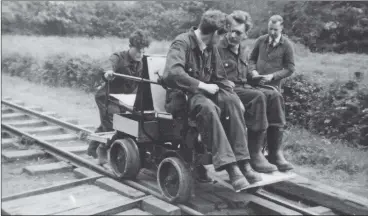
column 276, row 156
column 238, row 181
column 257, row 160
column 251, row 175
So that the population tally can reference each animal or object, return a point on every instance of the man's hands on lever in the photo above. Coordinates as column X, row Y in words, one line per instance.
column 109, row 75
column 209, row 88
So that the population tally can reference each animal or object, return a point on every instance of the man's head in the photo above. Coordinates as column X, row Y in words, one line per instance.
column 275, row 26
column 138, row 42
column 211, row 22
column 238, row 23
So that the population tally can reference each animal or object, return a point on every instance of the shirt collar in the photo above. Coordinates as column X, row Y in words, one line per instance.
column 202, row 46
column 277, row 40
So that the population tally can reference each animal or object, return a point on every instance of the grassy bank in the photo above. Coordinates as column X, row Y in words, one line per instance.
column 323, row 68
column 315, row 157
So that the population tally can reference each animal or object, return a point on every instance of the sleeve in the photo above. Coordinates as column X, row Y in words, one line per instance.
column 288, row 62
column 254, row 56
column 175, row 75
column 113, row 63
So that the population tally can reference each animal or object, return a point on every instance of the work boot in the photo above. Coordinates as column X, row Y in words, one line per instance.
column 251, row 175
column 102, row 154
column 91, row 151
column 257, row 159
column 238, row 181
column 201, row 174
column 276, row 156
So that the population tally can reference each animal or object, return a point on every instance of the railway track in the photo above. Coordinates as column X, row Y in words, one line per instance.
column 48, row 148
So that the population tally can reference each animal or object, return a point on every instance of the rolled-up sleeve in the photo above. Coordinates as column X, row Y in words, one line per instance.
column 174, row 74
column 288, row 62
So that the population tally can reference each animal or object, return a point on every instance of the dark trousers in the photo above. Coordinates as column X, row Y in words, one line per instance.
column 264, row 107
column 221, row 125
column 105, row 117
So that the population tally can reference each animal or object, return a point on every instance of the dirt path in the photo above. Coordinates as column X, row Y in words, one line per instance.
column 80, row 105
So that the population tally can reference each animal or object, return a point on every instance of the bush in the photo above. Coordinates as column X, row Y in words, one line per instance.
column 339, row 111
column 58, row 70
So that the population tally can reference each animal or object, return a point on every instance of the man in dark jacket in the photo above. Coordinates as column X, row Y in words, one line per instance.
column 264, row 107
column 192, row 66
column 127, row 62
column 273, row 59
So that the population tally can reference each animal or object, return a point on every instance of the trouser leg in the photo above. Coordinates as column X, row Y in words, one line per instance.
column 207, row 116
column 275, row 107
column 255, row 105
column 234, row 123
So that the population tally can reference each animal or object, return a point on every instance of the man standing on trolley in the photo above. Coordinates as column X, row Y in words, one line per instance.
column 192, row 67
column 271, row 60
column 127, row 62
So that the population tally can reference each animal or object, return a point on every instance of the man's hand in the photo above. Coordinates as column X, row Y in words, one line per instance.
column 209, row 88
column 266, row 78
column 255, row 73
column 109, row 75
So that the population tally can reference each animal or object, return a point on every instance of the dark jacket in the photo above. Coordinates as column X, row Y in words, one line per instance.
column 278, row 60
column 122, row 63
column 235, row 65
column 186, row 66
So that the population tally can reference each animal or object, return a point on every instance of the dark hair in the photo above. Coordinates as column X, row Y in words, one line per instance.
column 211, row 21
column 276, row 18
column 240, row 17
column 139, row 39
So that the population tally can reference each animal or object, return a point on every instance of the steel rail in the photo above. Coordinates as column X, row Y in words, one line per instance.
column 81, row 162
column 45, row 117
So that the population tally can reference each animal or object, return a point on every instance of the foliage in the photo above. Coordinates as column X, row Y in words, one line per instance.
column 339, row 111
column 338, row 26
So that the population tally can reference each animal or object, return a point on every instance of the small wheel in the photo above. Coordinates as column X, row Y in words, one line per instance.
column 175, row 180
column 124, row 158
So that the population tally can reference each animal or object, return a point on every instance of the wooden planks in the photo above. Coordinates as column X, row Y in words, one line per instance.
column 323, row 195
column 111, row 184
column 48, row 168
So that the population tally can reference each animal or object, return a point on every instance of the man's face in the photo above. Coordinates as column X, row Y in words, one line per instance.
column 137, row 53
column 274, row 29
column 236, row 33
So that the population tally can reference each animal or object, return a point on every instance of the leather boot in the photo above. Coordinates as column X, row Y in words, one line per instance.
column 201, row 174
column 91, row 151
column 276, row 156
column 251, row 175
column 257, row 159
column 238, row 181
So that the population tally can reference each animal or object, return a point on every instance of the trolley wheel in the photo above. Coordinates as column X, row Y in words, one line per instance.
column 175, row 180
column 124, row 158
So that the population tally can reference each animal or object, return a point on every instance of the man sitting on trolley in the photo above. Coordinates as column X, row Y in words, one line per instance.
column 128, row 62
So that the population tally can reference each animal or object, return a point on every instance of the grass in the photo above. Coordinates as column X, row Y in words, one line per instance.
column 322, row 68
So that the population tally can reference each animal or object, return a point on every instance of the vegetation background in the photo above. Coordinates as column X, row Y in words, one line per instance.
column 66, row 44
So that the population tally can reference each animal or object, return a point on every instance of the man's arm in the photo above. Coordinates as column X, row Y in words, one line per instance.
column 254, row 57
column 113, row 60
column 174, row 74
column 288, row 61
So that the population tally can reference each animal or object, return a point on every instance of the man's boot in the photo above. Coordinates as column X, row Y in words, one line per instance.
column 257, row 159
column 274, row 142
column 92, row 148
column 201, row 174
column 251, row 175
column 238, row 181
